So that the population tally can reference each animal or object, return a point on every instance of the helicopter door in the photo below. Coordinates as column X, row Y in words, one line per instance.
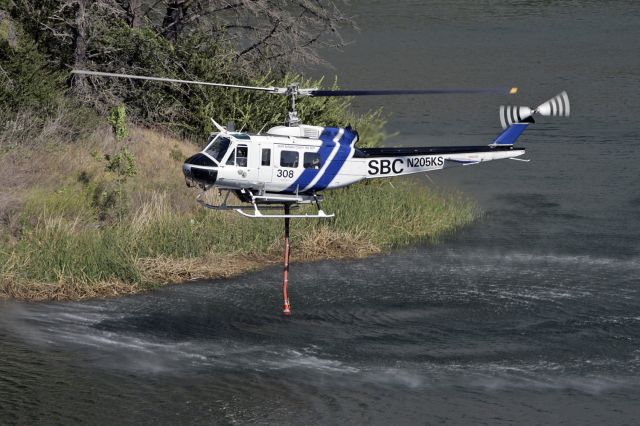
column 245, row 161
column 266, row 169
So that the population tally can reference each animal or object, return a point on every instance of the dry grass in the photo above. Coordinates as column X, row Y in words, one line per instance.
column 44, row 167
column 307, row 245
column 323, row 244
column 64, row 289
column 328, row 243
column 159, row 160
column 47, row 166
column 164, row 270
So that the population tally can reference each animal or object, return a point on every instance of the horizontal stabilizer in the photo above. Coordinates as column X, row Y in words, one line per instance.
column 459, row 161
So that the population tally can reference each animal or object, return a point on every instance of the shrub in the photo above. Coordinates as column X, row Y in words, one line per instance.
column 123, row 163
column 118, row 121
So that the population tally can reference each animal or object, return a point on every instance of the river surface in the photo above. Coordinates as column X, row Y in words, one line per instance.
column 529, row 316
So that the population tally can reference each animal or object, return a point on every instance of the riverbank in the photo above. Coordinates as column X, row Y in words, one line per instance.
column 102, row 219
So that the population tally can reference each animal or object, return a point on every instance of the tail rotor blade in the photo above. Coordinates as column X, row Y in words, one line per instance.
column 510, row 114
column 558, row 106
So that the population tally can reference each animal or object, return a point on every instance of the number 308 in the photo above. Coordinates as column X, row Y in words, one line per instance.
column 284, row 173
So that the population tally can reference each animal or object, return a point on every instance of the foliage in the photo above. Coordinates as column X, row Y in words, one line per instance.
column 267, row 34
column 69, row 123
column 111, row 202
column 33, row 106
column 98, row 228
column 122, row 163
column 70, row 251
column 27, row 81
column 143, row 51
column 118, row 121
column 176, row 154
column 103, row 35
column 111, row 198
column 187, row 109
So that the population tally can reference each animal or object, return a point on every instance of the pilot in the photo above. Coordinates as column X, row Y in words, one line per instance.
column 241, row 156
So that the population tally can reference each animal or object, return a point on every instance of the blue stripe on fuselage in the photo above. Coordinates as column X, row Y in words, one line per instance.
column 346, row 142
column 308, row 175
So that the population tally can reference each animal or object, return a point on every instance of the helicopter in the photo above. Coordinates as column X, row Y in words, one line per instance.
column 291, row 164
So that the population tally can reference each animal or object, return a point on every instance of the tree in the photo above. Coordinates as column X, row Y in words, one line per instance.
column 234, row 41
column 283, row 34
column 175, row 19
column 135, row 13
column 64, row 29
column 267, row 34
column 274, row 34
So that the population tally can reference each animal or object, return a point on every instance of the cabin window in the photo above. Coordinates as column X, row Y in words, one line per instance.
column 311, row 160
column 289, row 159
column 266, row 157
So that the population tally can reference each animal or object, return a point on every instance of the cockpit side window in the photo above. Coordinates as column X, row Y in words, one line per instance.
column 218, row 148
column 239, row 156
column 242, row 152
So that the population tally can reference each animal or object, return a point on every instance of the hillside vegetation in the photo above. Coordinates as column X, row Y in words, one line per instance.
column 93, row 202
column 74, row 228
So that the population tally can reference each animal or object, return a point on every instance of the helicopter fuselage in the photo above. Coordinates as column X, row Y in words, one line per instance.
column 309, row 159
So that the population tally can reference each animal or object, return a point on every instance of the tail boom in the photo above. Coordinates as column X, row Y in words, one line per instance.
column 375, row 163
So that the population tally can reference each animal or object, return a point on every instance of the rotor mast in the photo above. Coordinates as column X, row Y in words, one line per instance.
column 293, row 91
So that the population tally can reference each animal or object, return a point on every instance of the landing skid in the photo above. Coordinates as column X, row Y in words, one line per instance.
column 258, row 215
column 267, row 201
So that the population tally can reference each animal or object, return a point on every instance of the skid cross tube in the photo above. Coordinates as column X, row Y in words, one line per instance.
column 270, row 202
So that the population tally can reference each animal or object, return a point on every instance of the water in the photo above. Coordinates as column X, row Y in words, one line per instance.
column 530, row 316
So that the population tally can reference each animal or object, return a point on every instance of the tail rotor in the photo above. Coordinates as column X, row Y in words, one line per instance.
column 558, row 106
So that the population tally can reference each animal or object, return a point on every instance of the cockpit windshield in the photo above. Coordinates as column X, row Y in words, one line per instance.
column 218, row 148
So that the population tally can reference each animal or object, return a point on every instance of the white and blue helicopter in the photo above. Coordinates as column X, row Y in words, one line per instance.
column 292, row 164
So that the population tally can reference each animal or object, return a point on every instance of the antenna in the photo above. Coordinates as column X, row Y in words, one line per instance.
column 218, row 126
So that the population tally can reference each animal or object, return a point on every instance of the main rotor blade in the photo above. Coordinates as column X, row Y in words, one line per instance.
column 384, row 92
column 293, row 90
column 173, row 80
